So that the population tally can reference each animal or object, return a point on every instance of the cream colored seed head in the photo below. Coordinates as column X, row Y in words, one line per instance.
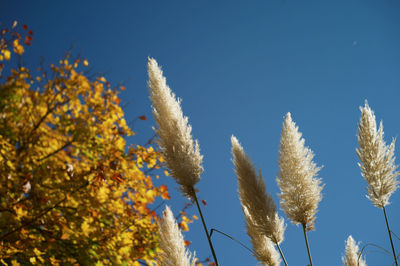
column 377, row 159
column 352, row 257
column 181, row 152
column 257, row 204
column 263, row 247
column 173, row 251
column 300, row 187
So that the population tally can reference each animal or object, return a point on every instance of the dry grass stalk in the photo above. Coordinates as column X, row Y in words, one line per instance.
column 352, row 257
column 173, row 251
column 300, row 188
column 257, row 204
column 180, row 151
column 377, row 159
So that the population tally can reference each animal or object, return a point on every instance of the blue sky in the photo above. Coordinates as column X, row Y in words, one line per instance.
column 239, row 67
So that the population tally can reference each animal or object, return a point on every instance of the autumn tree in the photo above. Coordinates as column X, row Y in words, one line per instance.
column 72, row 191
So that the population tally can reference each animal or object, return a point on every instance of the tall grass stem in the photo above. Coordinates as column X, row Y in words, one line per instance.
column 308, row 247
column 280, row 251
column 205, row 228
column 390, row 236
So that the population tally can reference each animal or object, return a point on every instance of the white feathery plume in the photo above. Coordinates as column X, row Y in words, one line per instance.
column 257, row 204
column 352, row 257
column 263, row 247
column 180, row 151
column 377, row 159
column 300, row 188
column 173, row 251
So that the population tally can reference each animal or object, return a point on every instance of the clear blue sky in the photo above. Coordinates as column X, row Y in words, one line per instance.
column 239, row 67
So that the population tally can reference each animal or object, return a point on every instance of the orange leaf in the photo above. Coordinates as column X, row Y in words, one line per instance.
column 117, row 178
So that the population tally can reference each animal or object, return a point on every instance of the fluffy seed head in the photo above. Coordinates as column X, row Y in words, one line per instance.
column 180, row 151
column 173, row 251
column 300, row 188
column 263, row 248
column 257, row 204
column 377, row 159
column 352, row 257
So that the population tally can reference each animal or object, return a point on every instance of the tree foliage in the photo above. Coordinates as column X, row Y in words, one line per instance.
column 72, row 192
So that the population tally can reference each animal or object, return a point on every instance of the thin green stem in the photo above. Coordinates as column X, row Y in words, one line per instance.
column 374, row 245
column 243, row 245
column 280, row 251
column 390, row 236
column 391, row 231
column 205, row 227
column 308, row 248
column 237, row 241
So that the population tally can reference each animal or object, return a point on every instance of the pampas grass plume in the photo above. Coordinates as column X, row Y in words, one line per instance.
column 263, row 247
column 181, row 152
column 173, row 251
column 377, row 159
column 300, row 188
column 257, row 204
column 351, row 258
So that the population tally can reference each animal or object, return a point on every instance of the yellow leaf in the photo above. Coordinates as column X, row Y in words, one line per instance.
column 124, row 250
column 85, row 62
column 85, row 228
column 139, row 162
column 37, row 252
column 150, row 195
column 102, row 194
column 10, row 164
column 151, row 163
column 18, row 48
column 195, row 217
column 184, row 226
column 7, row 54
column 53, row 261
column 20, row 212
column 185, row 218
column 33, row 260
